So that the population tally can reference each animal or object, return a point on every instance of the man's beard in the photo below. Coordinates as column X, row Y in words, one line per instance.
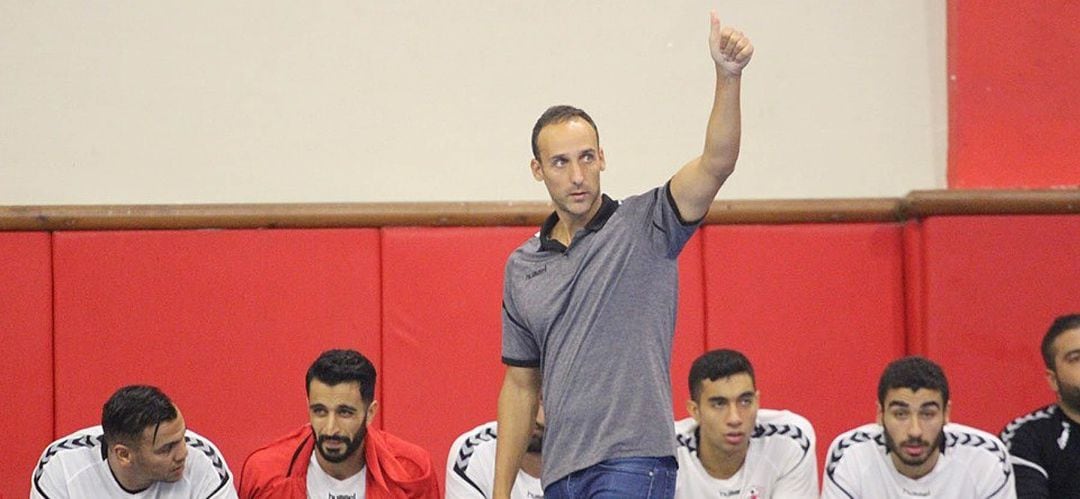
column 351, row 444
column 891, row 446
column 1069, row 395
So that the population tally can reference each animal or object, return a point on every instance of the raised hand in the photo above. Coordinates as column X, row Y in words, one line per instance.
column 730, row 48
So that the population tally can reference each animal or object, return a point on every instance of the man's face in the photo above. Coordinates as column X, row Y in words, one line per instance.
column 536, row 439
column 1065, row 376
column 161, row 457
column 726, row 412
column 914, row 424
column 570, row 164
column 338, row 419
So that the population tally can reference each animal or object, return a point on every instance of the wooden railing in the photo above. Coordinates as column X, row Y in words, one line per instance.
column 918, row 204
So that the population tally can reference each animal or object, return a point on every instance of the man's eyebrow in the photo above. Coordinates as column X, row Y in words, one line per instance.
column 930, row 404
column 899, row 403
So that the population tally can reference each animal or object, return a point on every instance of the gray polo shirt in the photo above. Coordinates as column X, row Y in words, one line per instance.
column 598, row 319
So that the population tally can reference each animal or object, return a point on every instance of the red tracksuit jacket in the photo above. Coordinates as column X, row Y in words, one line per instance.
column 396, row 469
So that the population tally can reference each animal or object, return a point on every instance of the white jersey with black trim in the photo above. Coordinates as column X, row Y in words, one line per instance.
column 780, row 462
column 75, row 467
column 974, row 465
column 470, row 468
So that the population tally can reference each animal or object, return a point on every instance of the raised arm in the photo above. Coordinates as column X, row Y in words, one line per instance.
column 519, row 401
column 695, row 185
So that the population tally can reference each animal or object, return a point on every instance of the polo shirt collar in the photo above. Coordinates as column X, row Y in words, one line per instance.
column 607, row 208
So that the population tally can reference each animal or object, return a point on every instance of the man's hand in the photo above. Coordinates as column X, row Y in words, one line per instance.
column 731, row 50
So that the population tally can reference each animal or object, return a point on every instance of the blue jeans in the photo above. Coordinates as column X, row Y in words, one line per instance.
column 643, row 477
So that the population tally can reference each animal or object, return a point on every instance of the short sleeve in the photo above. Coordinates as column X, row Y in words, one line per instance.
column 519, row 345
column 667, row 221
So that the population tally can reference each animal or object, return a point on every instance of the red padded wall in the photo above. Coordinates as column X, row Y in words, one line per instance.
column 818, row 309
column 225, row 322
column 26, row 375
column 992, row 287
column 442, row 297
column 1013, row 120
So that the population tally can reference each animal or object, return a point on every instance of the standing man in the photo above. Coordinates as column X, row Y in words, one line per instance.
column 1045, row 444
column 729, row 448
column 589, row 304
column 142, row 449
column 913, row 450
column 337, row 454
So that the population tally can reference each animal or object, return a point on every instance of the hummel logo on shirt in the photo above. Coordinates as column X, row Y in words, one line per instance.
column 536, row 272
column 342, row 496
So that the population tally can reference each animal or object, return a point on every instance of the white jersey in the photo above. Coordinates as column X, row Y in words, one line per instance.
column 470, row 468
column 75, row 467
column 780, row 462
column 974, row 465
column 320, row 484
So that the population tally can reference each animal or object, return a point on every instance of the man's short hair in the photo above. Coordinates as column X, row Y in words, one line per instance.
column 913, row 372
column 334, row 367
column 1060, row 325
column 131, row 410
column 559, row 114
column 717, row 364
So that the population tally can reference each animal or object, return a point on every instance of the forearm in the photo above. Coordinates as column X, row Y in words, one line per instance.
column 519, row 401
column 695, row 185
column 724, row 131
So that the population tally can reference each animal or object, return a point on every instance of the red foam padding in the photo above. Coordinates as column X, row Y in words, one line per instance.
column 1013, row 124
column 993, row 286
column 26, row 374
column 225, row 322
column 818, row 310
column 442, row 344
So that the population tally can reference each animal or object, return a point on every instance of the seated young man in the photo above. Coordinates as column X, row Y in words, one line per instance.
column 730, row 448
column 1045, row 444
column 913, row 450
column 470, row 466
column 337, row 454
column 142, row 449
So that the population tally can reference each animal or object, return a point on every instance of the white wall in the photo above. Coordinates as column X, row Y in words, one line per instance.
column 264, row 101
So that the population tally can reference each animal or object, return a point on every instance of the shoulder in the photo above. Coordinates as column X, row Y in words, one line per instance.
column 276, row 457
column 1031, row 425
column 388, row 447
column 472, row 457
column 854, row 444
column 85, row 445
column 643, row 201
column 529, row 246
column 399, row 462
column 205, row 450
column 975, row 444
column 467, row 443
column 784, row 427
column 686, row 435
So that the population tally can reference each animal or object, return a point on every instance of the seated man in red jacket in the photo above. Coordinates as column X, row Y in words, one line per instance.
column 338, row 455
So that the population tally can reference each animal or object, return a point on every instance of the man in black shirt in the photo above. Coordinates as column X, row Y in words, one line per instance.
column 1045, row 444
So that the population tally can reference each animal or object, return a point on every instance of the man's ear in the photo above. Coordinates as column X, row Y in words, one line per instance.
column 880, row 413
column 948, row 409
column 123, row 453
column 1051, row 378
column 372, row 410
column 535, row 166
column 692, row 408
